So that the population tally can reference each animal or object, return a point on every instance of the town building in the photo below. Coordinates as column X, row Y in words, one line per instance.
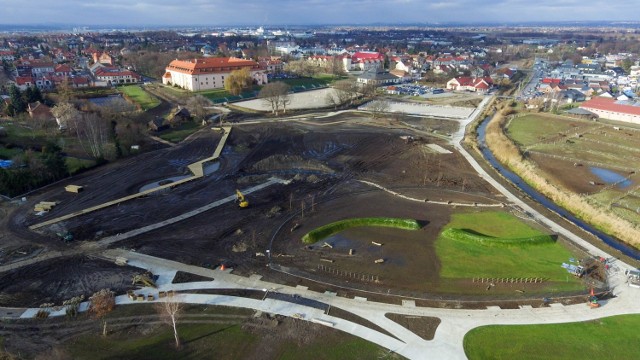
column 613, row 109
column 209, row 73
column 481, row 84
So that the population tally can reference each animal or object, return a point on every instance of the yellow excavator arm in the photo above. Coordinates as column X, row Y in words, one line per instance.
column 241, row 200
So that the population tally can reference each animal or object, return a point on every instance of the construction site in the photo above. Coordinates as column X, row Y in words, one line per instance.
column 244, row 195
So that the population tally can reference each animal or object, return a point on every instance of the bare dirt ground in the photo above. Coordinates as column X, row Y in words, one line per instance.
column 324, row 164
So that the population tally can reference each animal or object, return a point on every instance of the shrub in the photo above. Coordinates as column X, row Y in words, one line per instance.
column 471, row 237
column 325, row 231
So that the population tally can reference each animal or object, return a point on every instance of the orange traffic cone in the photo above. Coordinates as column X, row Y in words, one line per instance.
column 222, row 268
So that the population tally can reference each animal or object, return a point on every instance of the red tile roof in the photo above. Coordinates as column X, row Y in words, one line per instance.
column 211, row 65
column 608, row 104
column 369, row 56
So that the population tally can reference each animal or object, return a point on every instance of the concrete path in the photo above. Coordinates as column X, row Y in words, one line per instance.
column 448, row 340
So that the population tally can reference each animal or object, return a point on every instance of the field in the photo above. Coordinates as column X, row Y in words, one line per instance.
column 588, row 158
column 140, row 97
column 464, row 260
column 137, row 332
column 608, row 338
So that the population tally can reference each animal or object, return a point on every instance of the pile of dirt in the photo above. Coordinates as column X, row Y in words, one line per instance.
column 288, row 162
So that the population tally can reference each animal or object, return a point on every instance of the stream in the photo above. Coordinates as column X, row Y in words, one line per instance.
column 535, row 195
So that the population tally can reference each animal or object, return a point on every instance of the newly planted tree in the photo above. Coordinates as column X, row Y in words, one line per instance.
column 102, row 303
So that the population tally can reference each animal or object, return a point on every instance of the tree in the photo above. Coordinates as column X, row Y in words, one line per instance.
column 66, row 115
column 378, row 108
column 197, row 107
column 65, row 92
column 18, row 105
column 346, row 91
column 275, row 95
column 336, row 67
column 93, row 134
column 102, row 303
column 237, row 81
column 169, row 311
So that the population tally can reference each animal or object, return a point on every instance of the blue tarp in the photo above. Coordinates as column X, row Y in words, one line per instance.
column 5, row 164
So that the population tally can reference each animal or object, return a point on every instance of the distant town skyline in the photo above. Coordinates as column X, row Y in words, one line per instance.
column 283, row 12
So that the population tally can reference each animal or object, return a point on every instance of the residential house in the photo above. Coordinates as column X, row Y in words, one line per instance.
column 108, row 77
column 103, row 58
column 481, row 84
column 63, row 70
column 39, row 111
column 271, row 65
column 23, row 82
column 7, row 55
column 178, row 116
column 367, row 60
column 209, row 73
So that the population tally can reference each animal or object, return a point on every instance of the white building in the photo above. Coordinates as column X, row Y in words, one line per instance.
column 209, row 73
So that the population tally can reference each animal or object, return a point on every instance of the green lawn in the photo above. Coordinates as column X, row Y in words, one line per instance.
column 464, row 260
column 140, row 97
column 227, row 341
column 609, row 338
column 179, row 133
column 349, row 347
column 220, row 95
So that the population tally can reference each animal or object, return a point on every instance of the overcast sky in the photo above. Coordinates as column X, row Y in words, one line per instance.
column 300, row 12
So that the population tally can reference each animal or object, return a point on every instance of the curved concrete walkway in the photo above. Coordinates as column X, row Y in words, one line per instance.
column 448, row 340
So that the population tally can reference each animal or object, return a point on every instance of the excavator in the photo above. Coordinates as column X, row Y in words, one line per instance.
column 242, row 202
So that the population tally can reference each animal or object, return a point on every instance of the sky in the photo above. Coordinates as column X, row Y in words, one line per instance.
column 301, row 12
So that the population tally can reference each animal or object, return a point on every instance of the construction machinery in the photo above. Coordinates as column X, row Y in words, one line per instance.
column 242, row 202
column 593, row 300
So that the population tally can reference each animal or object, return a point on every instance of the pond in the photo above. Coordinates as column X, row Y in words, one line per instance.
column 610, row 177
column 115, row 101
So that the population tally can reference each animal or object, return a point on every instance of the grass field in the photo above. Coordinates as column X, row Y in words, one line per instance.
column 179, row 133
column 223, row 339
column 472, row 259
column 140, row 97
column 531, row 129
column 609, row 338
column 227, row 341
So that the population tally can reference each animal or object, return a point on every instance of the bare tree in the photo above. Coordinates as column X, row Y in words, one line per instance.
column 197, row 106
column 170, row 310
column 93, row 134
column 332, row 100
column 102, row 303
column 346, row 91
column 378, row 108
column 275, row 95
